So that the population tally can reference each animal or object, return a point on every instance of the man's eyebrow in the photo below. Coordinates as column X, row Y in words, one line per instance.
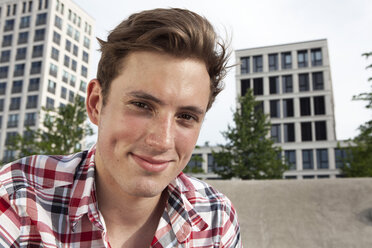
column 146, row 96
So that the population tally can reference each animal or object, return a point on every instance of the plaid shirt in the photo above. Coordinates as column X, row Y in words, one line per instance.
column 50, row 201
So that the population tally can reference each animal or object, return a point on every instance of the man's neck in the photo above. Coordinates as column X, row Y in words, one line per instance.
column 129, row 219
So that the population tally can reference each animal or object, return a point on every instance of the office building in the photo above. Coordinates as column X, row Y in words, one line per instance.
column 293, row 84
column 45, row 55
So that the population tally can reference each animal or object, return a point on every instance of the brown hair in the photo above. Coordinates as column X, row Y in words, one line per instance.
column 178, row 32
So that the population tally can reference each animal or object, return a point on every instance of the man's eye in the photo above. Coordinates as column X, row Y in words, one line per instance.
column 186, row 117
column 141, row 105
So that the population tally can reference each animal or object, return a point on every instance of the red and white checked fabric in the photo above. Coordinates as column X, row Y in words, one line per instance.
column 50, row 201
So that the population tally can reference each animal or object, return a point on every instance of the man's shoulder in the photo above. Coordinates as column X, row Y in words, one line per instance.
column 200, row 192
column 40, row 171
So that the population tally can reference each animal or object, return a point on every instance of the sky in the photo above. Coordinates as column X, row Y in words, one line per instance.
column 346, row 24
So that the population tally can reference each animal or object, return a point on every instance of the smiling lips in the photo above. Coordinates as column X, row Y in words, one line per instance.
column 149, row 164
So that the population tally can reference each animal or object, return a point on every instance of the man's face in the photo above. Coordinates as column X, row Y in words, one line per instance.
column 150, row 123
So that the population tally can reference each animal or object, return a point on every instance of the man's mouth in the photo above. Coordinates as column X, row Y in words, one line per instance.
column 150, row 164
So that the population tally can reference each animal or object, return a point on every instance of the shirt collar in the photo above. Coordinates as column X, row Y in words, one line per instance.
column 83, row 195
column 182, row 215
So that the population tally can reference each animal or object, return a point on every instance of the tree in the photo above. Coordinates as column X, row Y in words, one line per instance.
column 64, row 129
column 248, row 154
column 358, row 162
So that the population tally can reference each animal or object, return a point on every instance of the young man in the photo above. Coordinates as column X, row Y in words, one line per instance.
column 159, row 73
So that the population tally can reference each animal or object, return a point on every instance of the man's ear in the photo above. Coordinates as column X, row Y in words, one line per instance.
column 94, row 101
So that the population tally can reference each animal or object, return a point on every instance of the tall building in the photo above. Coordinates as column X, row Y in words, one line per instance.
column 45, row 54
column 293, row 84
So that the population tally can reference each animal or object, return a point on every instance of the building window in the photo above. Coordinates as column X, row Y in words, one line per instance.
column 308, row 177
column 287, row 84
column 15, row 103
column 289, row 132
column 244, row 65
column 35, row 67
column 245, row 85
column 66, row 61
column 52, row 86
column 303, row 82
column 318, row 83
column 9, row 25
column 23, row 38
column 83, row 86
column 84, row 71
column 288, row 108
column 196, row 161
column 34, row 84
column 290, row 159
column 306, row 133
column 69, row 30
column 25, row 22
column 212, row 165
column 58, row 22
column 65, row 76
column 75, row 50
column 53, row 70
column 286, row 60
column 7, row 40
column 259, row 107
column 19, row 70
column 305, row 106
column 41, row 19
column 77, row 35
column 63, row 92
column 55, row 54
column 340, row 156
column 274, row 85
column 2, row 88
column 4, row 71
column 49, row 103
column 68, row 45
column 275, row 133
column 21, row 53
column 9, row 140
column 319, row 105
column 307, row 159
column 72, row 80
column 31, row 102
column 39, row 34
column 302, row 58
column 71, row 96
column 56, row 38
column 274, row 109
column 258, row 86
column 322, row 158
column 257, row 63
column 320, row 130
column 73, row 65
column 12, row 121
column 30, row 119
column 87, row 45
column 37, row 51
column 316, row 57
column 5, row 56
column 273, row 62
column 85, row 57
column 1, row 104
column 17, row 86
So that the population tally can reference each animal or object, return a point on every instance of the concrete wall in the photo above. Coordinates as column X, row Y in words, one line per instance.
column 302, row 213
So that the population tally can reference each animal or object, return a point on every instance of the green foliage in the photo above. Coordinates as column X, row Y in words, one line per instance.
column 248, row 154
column 195, row 159
column 359, row 160
column 64, row 129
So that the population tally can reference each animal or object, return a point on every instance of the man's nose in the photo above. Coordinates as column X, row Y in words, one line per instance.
column 160, row 135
